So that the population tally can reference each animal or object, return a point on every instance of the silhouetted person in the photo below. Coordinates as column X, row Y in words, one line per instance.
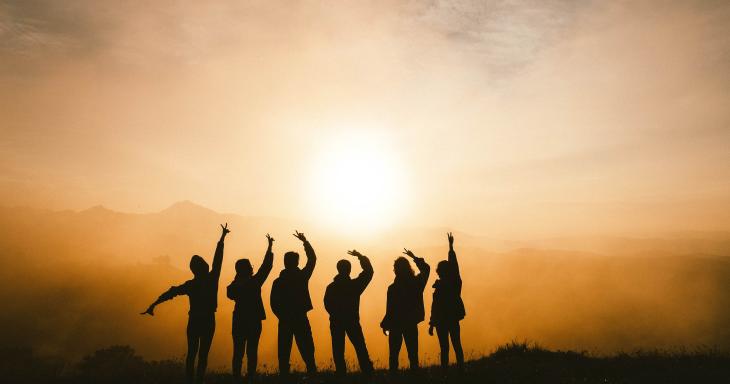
column 447, row 308
column 404, row 309
column 290, row 302
column 202, row 291
column 249, row 311
column 342, row 301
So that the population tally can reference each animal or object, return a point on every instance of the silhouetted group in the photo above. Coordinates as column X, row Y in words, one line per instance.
column 290, row 301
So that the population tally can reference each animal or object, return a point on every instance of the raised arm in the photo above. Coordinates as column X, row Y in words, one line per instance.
column 168, row 295
column 311, row 256
column 364, row 278
column 218, row 257
column 452, row 256
column 267, row 264
column 423, row 268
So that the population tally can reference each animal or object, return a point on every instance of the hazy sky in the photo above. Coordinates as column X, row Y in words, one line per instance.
column 501, row 117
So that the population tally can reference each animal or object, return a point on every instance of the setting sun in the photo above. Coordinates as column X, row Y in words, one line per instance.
column 358, row 182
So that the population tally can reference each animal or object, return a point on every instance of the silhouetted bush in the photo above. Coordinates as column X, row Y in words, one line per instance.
column 22, row 365
column 116, row 364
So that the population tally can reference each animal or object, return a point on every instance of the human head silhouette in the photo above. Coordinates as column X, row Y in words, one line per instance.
column 291, row 260
column 244, row 268
column 402, row 267
column 344, row 267
column 198, row 266
column 443, row 269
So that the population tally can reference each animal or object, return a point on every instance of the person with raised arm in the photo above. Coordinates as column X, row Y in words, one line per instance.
column 248, row 312
column 290, row 302
column 447, row 308
column 202, row 291
column 404, row 309
column 342, row 301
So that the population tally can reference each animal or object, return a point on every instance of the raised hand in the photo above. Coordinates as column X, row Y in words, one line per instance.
column 150, row 311
column 408, row 253
column 225, row 230
column 270, row 239
column 300, row 236
column 355, row 253
column 451, row 239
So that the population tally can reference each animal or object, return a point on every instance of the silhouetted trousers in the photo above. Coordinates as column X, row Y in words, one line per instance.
column 296, row 329
column 445, row 331
column 246, row 339
column 409, row 333
column 201, row 328
column 354, row 332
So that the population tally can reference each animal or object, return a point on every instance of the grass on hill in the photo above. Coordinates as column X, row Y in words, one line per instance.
column 509, row 364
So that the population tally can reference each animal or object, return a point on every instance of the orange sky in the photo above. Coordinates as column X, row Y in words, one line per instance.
column 511, row 118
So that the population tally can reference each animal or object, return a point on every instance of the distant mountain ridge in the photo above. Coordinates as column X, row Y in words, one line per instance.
column 188, row 213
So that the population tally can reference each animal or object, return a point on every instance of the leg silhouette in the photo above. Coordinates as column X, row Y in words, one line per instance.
column 443, row 335
column 455, row 333
column 193, row 343
column 395, row 341
column 410, row 335
column 285, row 343
column 239, row 345
column 206, row 339
column 252, row 350
column 305, row 344
column 338, row 348
column 354, row 333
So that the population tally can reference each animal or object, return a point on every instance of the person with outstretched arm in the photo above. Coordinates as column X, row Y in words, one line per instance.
column 342, row 301
column 404, row 309
column 202, row 290
column 447, row 308
column 248, row 312
column 290, row 302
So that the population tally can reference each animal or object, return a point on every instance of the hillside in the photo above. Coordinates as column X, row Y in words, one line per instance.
column 514, row 363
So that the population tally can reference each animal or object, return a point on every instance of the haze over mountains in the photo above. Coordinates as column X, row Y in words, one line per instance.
column 73, row 282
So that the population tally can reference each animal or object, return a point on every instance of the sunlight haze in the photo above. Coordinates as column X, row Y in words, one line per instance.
column 357, row 183
column 528, row 117
column 578, row 150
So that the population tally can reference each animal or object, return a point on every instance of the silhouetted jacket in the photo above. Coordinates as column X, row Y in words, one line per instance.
column 290, row 292
column 342, row 297
column 202, row 290
column 405, row 299
column 246, row 292
column 447, row 306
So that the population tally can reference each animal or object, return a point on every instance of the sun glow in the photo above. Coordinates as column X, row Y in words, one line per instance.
column 358, row 183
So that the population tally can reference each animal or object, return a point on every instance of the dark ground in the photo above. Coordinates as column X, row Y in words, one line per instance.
column 513, row 363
